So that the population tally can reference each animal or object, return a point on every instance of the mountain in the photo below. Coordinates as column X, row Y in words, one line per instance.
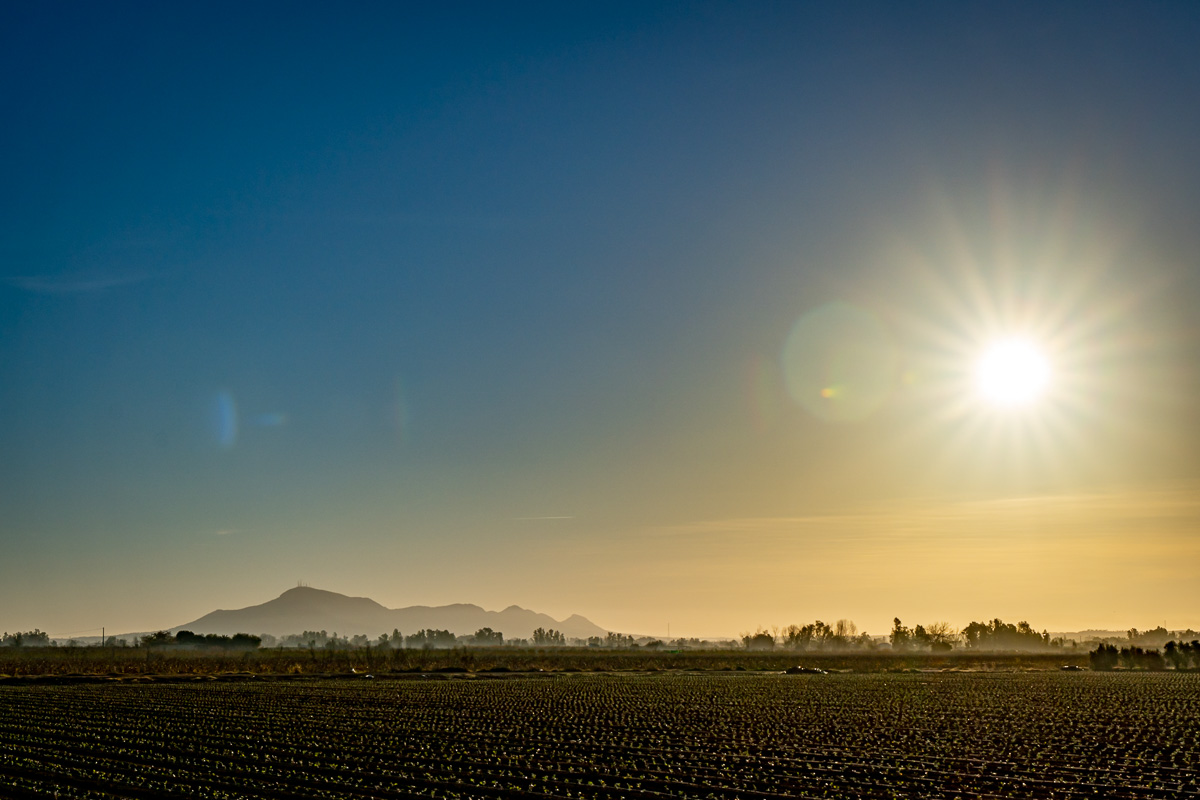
column 307, row 609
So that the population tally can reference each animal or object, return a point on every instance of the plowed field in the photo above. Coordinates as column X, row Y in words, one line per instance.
column 1028, row 735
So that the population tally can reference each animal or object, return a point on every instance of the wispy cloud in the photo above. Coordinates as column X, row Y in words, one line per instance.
column 1162, row 509
column 75, row 283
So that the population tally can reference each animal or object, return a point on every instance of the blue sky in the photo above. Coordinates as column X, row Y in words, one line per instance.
column 471, row 303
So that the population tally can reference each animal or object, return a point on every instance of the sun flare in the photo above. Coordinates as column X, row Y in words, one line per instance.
column 1012, row 373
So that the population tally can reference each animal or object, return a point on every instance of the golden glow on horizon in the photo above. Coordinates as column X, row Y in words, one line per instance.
column 1031, row 556
column 1012, row 373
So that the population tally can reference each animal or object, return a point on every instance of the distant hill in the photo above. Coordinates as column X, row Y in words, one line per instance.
column 307, row 609
column 1156, row 637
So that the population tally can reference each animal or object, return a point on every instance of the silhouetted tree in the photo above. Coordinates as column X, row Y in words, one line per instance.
column 817, row 635
column 900, row 637
column 618, row 640
column 1158, row 637
column 158, row 639
column 486, row 637
column 1134, row 657
column 844, row 630
column 548, row 638
column 941, row 636
column 796, row 637
column 188, row 639
column 1176, row 656
column 760, row 640
column 1103, row 658
column 999, row 635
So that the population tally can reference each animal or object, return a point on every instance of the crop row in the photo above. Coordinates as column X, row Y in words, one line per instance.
column 26, row 661
column 1045, row 735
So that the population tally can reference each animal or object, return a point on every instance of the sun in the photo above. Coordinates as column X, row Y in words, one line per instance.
column 1012, row 373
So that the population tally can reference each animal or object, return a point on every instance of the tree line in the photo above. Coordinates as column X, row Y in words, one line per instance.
column 1179, row 655
column 33, row 638
column 842, row 635
column 424, row 639
column 935, row 637
column 427, row 638
column 239, row 641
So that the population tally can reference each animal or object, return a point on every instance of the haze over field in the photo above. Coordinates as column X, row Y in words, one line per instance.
column 710, row 315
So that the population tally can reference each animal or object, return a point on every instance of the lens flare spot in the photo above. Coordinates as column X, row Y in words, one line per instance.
column 224, row 418
column 839, row 363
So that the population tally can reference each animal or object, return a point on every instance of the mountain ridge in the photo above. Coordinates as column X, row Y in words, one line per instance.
column 304, row 608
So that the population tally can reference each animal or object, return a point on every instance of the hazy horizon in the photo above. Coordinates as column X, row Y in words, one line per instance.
column 881, row 632
column 667, row 313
